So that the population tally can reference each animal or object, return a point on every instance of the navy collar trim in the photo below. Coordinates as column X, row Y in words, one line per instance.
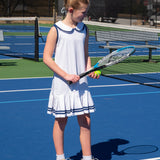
column 80, row 27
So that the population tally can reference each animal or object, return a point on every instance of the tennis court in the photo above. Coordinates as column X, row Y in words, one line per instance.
column 127, row 114
column 26, row 37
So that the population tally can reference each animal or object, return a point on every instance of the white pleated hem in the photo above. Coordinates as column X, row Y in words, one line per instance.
column 71, row 104
column 70, row 113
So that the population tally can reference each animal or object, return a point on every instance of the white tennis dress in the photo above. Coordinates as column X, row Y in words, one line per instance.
column 75, row 99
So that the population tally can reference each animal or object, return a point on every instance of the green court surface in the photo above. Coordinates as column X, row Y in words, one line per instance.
column 19, row 68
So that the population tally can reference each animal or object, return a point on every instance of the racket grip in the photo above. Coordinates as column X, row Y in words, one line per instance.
column 70, row 82
column 81, row 76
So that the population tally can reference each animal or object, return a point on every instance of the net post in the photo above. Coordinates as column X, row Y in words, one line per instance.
column 36, row 36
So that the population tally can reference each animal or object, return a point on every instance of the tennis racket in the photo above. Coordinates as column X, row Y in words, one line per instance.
column 139, row 149
column 111, row 59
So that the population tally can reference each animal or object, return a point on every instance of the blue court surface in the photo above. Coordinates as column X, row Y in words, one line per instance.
column 127, row 114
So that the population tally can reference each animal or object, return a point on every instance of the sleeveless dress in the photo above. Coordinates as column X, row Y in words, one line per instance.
column 70, row 100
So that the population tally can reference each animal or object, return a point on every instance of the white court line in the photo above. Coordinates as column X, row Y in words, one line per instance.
column 25, row 90
column 113, row 85
column 23, row 44
column 25, row 78
column 44, row 89
column 157, row 158
column 17, row 44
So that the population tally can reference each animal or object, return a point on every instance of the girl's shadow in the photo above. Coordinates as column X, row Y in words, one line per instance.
column 104, row 150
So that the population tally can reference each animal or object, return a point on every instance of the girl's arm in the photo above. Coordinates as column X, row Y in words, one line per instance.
column 48, row 60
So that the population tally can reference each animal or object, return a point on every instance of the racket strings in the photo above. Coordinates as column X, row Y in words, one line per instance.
column 115, row 57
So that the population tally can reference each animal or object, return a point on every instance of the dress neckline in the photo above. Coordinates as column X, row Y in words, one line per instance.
column 65, row 27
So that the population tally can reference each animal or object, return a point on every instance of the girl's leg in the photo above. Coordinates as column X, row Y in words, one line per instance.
column 58, row 134
column 85, row 134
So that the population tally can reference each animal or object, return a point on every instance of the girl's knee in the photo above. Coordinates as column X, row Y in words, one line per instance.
column 61, row 122
column 84, row 121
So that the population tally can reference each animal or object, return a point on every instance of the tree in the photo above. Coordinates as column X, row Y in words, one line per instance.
column 9, row 6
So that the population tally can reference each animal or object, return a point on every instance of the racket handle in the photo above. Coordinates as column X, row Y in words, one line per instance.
column 81, row 76
column 69, row 82
column 84, row 74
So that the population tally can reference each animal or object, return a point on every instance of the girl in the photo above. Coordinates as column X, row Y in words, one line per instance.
column 69, row 40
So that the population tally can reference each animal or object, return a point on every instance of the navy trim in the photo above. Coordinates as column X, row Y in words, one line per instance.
column 72, row 30
column 57, row 31
column 63, row 29
column 64, row 112
column 85, row 27
column 69, row 32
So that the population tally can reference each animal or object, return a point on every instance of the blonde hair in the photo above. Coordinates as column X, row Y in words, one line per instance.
column 74, row 3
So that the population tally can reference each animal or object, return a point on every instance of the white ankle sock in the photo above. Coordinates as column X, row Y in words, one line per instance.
column 60, row 157
column 87, row 157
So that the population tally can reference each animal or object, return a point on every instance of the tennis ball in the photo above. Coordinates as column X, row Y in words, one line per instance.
column 98, row 72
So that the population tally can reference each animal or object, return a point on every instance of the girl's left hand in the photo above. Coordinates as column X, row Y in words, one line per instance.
column 93, row 75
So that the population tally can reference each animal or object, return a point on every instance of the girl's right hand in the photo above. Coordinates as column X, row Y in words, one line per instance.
column 72, row 77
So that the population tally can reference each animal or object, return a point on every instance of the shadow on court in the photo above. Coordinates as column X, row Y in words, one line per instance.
column 8, row 64
column 104, row 150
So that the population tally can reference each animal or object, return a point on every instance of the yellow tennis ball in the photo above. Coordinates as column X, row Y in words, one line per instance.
column 98, row 72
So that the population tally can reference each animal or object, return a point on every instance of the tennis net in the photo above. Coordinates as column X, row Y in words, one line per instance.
column 21, row 36
column 138, row 68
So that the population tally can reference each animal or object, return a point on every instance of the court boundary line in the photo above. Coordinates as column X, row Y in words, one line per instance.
column 42, row 89
column 52, row 76
column 94, row 96
column 156, row 158
column 24, row 78
column 24, row 90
